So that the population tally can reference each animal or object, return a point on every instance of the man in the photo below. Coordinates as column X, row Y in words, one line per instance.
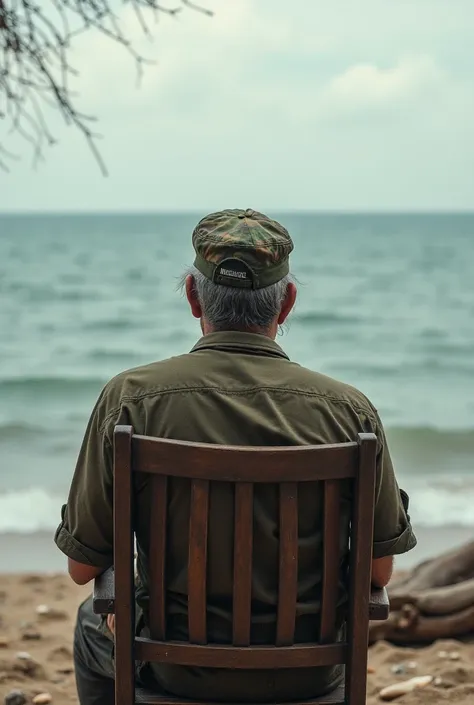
column 237, row 387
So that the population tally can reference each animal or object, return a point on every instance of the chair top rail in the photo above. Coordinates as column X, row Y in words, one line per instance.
column 242, row 463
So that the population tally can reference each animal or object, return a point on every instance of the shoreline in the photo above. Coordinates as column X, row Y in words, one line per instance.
column 37, row 552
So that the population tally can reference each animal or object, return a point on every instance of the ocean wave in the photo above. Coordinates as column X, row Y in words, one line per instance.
column 27, row 511
column 404, row 373
column 13, row 431
column 325, row 317
column 29, row 293
column 113, row 324
column 35, row 509
column 432, row 440
column 51, row 385
column 56, row 438
column 437, row 506
column 102, row 354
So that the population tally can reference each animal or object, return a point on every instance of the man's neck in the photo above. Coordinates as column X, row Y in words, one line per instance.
column 268, row 333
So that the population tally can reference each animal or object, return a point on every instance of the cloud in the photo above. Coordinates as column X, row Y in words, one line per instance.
column 267, row 48
column 368, row 86
column 296, row 105
column 308, row 59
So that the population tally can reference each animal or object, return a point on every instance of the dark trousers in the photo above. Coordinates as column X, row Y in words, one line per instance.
column 94, row 662
column 93, row 659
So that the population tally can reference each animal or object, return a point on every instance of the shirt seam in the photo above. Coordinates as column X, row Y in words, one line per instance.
column 263, row 350
column 244, row 392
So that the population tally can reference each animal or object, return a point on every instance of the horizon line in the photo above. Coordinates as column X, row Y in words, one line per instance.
column 289, row 211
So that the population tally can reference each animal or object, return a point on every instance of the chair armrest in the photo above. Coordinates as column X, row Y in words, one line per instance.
column 104, row 593
column 104, row 598
column 379, row 605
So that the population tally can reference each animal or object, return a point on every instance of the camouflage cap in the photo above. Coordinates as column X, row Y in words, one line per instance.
column 243, row 249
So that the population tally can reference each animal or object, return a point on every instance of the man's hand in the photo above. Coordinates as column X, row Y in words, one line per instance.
column 111, row 623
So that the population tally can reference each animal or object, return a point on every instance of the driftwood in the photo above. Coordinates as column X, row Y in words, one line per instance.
column 433, row 601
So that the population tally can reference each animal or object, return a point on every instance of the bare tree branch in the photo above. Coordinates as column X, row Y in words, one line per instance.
column 35, row 36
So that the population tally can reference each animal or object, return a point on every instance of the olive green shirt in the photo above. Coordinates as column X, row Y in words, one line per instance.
column 239, row 389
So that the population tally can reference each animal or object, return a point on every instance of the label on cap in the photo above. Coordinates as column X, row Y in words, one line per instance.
column 234, row 272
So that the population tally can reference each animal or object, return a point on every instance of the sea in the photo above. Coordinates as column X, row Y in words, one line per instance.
column 386, row 303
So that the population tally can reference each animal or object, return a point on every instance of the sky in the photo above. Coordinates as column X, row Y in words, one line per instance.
column 270, row 104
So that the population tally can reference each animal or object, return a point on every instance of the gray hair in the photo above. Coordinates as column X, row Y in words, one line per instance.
column 232, row 308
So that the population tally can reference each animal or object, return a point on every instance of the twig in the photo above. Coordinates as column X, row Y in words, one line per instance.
column 35, row 37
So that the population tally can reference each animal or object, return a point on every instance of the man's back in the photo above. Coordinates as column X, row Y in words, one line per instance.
column 240, row 389
column 234, row 388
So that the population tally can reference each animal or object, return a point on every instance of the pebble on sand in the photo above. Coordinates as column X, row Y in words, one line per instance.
column 27, row 665
column 30, row 635
column 3, row 642
column 23, row 655
column 47, row 612
column 42, row 699
column 15, row 697
column 396, row 690
column 450, row 655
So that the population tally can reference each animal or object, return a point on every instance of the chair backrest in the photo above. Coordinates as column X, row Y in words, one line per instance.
column 289, row 467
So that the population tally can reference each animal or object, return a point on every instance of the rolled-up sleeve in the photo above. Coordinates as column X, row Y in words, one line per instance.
column 393, row 533
column 85, row 533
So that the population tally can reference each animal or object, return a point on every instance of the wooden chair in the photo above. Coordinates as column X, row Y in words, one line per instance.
column 243, row 466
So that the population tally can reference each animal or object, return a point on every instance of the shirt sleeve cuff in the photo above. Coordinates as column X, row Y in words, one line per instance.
column 72, row 548
column 394, row 547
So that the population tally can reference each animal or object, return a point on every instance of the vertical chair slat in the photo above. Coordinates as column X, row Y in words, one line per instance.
column 360, row 569
column 157, row 557
column 197, row 565
column 123, row 566
column 288, row 572
column 243, row 543
column 331, row 560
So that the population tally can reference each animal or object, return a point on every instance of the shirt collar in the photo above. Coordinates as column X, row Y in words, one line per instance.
column 236, row 341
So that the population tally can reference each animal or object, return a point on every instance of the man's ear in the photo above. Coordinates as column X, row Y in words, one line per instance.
column 288, row 303
column 192, row 297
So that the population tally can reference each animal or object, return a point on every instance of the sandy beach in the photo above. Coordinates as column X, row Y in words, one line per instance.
column 36, row 649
